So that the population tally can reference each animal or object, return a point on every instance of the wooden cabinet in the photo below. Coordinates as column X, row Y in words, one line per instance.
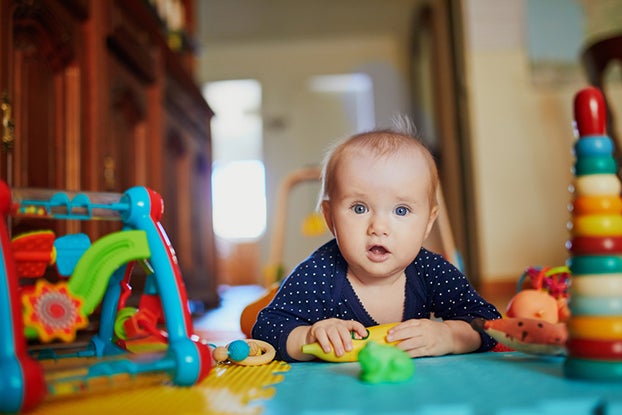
column 94, row 99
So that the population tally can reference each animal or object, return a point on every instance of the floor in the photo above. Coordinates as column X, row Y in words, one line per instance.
column 222, row 325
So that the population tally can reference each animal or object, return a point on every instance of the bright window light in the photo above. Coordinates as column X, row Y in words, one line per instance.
column 238, row 177
column 239, row 199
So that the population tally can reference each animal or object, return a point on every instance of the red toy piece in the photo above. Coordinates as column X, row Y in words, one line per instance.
column 589, row 111
column 33, row 252
column 526, row 335
column 28, row 387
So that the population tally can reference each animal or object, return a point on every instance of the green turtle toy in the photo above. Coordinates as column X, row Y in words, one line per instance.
column 385, row 364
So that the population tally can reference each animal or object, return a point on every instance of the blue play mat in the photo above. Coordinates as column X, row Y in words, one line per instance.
column 487, row 383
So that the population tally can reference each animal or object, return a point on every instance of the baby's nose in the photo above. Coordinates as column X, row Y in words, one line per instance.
column 378, row 225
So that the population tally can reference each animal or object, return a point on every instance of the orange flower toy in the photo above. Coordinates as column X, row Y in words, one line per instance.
column 53, row 311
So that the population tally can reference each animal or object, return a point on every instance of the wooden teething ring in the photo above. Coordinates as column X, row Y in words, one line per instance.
column 267, row 354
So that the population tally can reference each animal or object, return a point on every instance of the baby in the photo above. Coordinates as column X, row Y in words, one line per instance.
column 379, row 201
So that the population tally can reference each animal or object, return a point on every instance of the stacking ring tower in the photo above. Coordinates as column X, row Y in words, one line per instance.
column 595, row 248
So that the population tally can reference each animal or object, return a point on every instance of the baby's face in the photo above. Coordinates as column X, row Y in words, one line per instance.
column 380, row 211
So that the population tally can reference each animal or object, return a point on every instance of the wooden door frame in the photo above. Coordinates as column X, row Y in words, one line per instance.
column 438, row 29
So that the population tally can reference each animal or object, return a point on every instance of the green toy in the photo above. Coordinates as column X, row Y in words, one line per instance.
column 385, row 364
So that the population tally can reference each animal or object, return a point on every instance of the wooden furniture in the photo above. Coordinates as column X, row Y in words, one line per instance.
column 95, row 99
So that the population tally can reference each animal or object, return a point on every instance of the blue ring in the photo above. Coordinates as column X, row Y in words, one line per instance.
column 593, row 145
column 581, row 305
column 595, row 165
column 595, row 264
column 606, row 370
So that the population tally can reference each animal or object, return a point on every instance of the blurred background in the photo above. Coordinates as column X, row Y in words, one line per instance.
column 489, row 83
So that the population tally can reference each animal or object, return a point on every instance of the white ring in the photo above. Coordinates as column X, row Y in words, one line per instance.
column 596, row 285
column 597, row 184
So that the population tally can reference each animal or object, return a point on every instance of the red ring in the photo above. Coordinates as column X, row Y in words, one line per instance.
column 588, row 245
column 595, row 349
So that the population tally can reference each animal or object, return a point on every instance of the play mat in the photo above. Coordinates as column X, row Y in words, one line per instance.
column 229, row 389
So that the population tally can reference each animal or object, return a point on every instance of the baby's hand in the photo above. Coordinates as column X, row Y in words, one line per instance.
column 335, row 334
column 422, row 337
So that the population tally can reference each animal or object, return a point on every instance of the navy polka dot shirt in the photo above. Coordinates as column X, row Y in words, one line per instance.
column 318, row 289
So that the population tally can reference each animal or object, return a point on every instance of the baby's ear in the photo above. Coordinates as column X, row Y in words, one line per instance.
column 431, row 220
column 325, row 206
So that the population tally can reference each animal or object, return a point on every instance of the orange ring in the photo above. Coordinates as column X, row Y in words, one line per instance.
column 597, row 185
column 606, row 204
column 597, row 225
column 595, row 328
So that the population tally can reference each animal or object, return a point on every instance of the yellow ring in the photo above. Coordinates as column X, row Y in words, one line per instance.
column 267, row 354
column 603, row 328
column 597, row 185
column 596, row 285
column 597, row 225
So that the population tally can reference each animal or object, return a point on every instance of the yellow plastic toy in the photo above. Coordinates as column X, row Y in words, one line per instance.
column 377, row 334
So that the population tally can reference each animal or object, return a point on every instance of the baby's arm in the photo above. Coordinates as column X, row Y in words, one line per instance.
column 423, row 337
column 331, row 334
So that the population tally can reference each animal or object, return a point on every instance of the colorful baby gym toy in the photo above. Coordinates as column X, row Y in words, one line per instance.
column 91, row 276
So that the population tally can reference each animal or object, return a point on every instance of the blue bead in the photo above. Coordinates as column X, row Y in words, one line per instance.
column 581, row 305
column 238, row 350
column 593, row 145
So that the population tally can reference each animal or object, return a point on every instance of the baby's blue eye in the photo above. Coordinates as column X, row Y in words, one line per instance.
column 359, row 209
column 401, row 211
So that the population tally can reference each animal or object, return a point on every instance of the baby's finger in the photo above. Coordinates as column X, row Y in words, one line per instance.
column 404, row 330
column 358, row 331
column 337, row 342
column 323, row 340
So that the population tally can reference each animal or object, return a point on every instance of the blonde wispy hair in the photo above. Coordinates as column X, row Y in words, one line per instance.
column 383, row 142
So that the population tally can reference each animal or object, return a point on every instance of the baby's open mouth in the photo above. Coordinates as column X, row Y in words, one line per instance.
column 378, row 250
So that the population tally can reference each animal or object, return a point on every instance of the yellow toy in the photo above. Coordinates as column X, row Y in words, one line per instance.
column 376, row 333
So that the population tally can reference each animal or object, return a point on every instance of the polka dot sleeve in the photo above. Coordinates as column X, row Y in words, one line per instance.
column 446, row 293
column 312, row 292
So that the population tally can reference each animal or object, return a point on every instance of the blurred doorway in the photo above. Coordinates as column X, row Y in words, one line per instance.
column 238, row 178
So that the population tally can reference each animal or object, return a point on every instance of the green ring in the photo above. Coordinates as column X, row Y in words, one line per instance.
column 122, row 316
column 595, row 264
column 595, row 165
column 605, row 370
